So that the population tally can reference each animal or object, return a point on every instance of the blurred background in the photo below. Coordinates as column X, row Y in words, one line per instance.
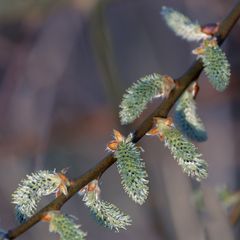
column 64, row 66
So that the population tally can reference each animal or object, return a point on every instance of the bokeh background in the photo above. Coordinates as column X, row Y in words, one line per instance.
column 64, row 66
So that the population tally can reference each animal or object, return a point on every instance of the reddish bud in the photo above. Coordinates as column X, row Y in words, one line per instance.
column 153, row 132
column 210, row 29
column 118, row 136
column 112, row 146
column 46, row 218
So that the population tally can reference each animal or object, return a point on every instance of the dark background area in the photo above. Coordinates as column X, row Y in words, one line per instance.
column 64, row 66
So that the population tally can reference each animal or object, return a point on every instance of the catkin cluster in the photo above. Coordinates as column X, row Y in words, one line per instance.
column 131, row 166
column 216, row 65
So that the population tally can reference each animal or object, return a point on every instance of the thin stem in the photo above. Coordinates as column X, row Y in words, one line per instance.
column 161, row 111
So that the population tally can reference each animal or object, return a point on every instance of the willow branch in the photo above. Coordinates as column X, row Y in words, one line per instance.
column 161, row 111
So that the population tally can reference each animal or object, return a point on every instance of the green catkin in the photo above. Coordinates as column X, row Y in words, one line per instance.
column 109, row 216
column 31, row 190
column 141, row 93
column 187, row 120
column 132, row 170
column 182, row 25
column 183, row 151
column 105, row 213
column 216, row 65
column 64, row 225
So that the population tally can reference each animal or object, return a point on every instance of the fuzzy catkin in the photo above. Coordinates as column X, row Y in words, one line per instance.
column 183, row 151
column 132, row 170
column 108, row 215
column 31, row 190
column 141, row 93
column 182, row 26
column 105, row 213
column 64, row 225
column 187, row 119
column 216, row 66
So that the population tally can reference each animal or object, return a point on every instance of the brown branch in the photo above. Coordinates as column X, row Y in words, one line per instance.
column 161, row 111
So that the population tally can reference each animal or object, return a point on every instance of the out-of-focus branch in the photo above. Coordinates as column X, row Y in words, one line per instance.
column 235, row 215
column 103, row 49
column 161, row 111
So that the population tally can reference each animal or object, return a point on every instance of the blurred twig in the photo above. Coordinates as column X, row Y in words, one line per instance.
column 235, row 215
column 216, row 223
column 15, row 9
column 102, row 45
column 161, row 111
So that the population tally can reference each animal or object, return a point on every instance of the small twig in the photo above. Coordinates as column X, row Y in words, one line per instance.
column 161, row 111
